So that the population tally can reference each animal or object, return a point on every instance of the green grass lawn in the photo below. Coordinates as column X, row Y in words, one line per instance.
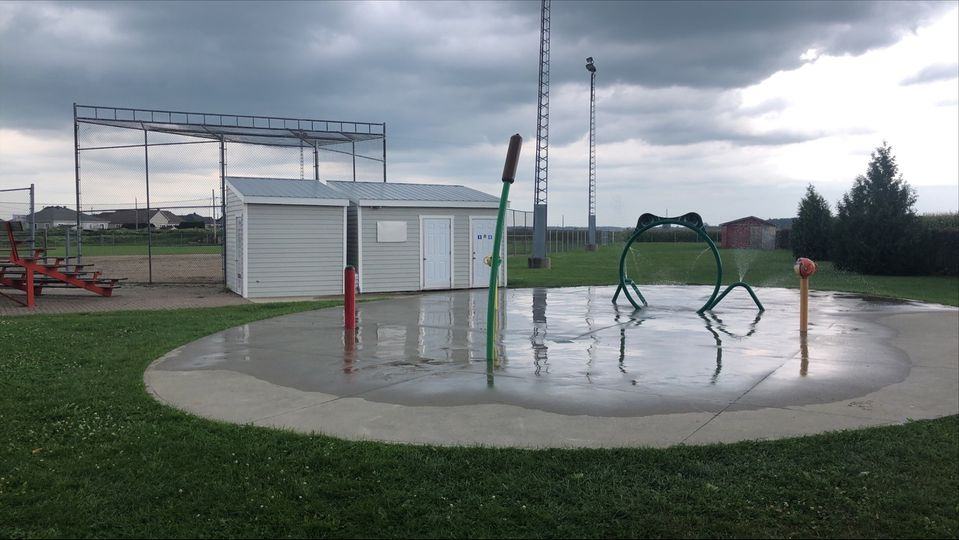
column 84, row 451
column 687, row 263
column 106, row 250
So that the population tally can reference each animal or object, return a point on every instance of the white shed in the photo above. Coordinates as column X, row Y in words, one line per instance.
column 411, row 237
column 284, row 238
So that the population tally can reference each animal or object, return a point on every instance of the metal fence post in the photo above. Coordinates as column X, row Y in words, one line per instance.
column 223, row 203
column 384, row 152
column 146, row 168
column 76, row 167
column 33, row 219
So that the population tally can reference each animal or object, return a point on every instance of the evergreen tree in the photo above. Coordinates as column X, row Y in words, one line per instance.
column 877, row 231
column 812, row 230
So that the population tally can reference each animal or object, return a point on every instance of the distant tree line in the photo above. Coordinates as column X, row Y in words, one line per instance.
column 875, row 229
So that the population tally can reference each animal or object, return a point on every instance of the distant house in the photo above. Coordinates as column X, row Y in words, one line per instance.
column 61, row 216
column 748, row 233
column 134, row 219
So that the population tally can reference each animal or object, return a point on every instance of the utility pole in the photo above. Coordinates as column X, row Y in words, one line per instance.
column 33, row 218
column 539, row 258
column 76, row 168
column 591, row 233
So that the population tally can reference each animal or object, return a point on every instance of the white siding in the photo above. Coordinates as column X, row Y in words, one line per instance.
column 294, row 250
column 233, row 208
column 396, row 266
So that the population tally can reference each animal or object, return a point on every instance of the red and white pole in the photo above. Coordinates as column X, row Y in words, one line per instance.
column 349, row 298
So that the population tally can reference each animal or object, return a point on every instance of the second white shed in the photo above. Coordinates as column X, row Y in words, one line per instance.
column 284, row 238
column 411, row 237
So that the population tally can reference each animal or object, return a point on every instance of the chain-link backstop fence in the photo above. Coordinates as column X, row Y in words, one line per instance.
column 150, row 184
column 17, row 205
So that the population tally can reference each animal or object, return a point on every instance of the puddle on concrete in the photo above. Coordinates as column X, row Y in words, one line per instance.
column 571, row 351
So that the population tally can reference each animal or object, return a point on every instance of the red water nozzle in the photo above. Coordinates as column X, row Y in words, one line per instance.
column 804, row 267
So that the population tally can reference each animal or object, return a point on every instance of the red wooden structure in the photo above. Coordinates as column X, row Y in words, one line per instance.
column 31, row 274
column 748, row 233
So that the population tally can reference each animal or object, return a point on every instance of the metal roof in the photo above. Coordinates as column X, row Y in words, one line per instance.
column 266, row 130
column 434, row 193
column 276, row 188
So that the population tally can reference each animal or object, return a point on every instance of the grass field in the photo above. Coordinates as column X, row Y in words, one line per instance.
column 94, row 250
column 84, row 451
column 687, row 263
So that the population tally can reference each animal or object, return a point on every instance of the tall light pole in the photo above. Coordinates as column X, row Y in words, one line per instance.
column 539, row 258
column 591, row 232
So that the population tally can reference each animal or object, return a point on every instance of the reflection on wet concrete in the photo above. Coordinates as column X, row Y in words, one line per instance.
column 572, row 351
column 719, row 348
column 714, row 325
column 538, row 338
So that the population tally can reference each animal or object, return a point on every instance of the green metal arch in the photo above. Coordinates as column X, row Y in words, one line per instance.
column 691, row 221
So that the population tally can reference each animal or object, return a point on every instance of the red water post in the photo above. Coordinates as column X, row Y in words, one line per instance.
column 30, row 290
column 349, row 298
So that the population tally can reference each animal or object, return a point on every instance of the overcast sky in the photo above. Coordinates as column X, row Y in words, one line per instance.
column 729, row 109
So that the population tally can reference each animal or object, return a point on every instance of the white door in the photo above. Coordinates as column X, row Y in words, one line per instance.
column 238, row 255
column 482, row 233
column 437, row 253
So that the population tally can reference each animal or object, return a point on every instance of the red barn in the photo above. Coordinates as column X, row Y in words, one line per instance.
column 748, row 233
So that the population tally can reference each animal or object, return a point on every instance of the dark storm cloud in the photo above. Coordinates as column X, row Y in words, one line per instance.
column 678, row 116
column 438, row 73
column 726, row 44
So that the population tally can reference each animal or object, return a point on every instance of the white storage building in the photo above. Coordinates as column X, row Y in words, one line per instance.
column 411, row 237
column 284, row 238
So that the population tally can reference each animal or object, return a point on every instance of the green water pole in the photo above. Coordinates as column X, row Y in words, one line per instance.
column 744, row 285
column 509, row 175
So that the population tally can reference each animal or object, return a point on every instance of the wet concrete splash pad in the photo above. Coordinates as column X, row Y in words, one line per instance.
column 575, row 370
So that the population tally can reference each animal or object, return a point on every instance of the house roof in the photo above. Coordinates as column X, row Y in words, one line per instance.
column 171, row 217
column 123, row 217
column 62, row 213
column 405, row 194
column 749, row 218
column 285, row 191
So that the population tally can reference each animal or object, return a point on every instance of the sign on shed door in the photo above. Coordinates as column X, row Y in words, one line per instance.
column 482, row 233
column 437, row 253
